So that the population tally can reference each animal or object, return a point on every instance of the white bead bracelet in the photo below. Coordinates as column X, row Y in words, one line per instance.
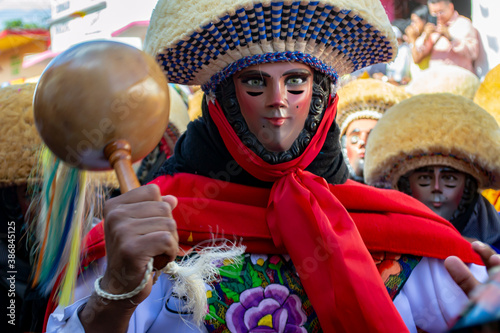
column 113, row 297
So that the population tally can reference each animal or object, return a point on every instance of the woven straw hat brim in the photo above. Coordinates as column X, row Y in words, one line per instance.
column 434, row 129
column 366, row 99
column 488, row 93
column 194, row 39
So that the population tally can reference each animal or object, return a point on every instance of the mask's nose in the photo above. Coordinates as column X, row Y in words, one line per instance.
column 276, row 98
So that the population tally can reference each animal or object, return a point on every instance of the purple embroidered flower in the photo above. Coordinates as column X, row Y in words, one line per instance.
column 266, row 310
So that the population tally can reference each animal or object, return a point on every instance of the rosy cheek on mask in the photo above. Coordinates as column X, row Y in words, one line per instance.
column 300, row 101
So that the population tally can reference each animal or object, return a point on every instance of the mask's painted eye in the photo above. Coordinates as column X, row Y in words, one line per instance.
column 253, row 82
column 295, row 80
column 354, row 139
column 424, row 180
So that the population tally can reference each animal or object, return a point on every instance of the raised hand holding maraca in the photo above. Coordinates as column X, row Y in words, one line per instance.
column 102, row 104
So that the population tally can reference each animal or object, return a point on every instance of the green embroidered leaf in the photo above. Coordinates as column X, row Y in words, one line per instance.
column 232, row 272
column 233, row 290
column 252, row 277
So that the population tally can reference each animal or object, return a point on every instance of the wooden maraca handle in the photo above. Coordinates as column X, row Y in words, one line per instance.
column 118, row 154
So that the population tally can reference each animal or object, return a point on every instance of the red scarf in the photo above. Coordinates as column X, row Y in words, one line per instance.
column 385, row 219
column 307, row 218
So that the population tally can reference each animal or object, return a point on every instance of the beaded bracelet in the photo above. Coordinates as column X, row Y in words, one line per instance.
column 113, row 297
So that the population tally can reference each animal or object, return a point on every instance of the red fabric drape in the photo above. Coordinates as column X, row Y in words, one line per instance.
column 387, row 221
column 307, row 218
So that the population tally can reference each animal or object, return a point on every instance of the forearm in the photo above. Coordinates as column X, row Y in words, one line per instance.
column 418, row 54
column 468, row 47
column 102, row 315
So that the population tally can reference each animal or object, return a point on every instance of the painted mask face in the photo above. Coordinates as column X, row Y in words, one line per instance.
column 356, row 136
column 438, row 187
column 275, row 99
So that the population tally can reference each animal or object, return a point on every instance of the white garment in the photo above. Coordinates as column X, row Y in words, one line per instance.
column 429, row 299
column 400, row 67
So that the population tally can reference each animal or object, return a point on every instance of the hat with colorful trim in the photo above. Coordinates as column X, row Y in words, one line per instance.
column 366, row 99
column 434, row 129
column 203, row 42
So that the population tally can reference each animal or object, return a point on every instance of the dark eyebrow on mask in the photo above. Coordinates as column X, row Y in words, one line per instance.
column 297, row 71
column 253, row 73
column 425, row 169
column 448, row 169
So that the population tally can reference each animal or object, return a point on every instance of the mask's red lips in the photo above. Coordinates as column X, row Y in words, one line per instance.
column 276, row 121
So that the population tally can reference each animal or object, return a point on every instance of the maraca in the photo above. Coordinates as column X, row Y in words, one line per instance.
column 102, row 104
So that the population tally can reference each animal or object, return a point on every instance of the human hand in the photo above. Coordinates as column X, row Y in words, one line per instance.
column 461, row 273
column 470, row 239
column 429, row 28
column 138, row 226
column 378, row 76
column 412, row 33
column 443, row 31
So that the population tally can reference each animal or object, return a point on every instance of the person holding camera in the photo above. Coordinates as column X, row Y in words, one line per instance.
column 452, row 40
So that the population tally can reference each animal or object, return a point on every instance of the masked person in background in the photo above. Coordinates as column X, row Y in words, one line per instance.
column 422, row 149
column 362, row 103
column 263, row 164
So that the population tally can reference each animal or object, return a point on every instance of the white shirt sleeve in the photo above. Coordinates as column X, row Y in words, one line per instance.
column 430, row 299
column 65, row 319
column 158, row 311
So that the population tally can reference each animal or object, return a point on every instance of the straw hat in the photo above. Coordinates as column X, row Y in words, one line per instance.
column 445, row 78
column 434, row 129
column 204, row 42
column 20, row 141
column 366, row 99
column 488, row 94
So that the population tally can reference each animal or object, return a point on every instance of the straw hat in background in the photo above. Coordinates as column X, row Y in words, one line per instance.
column 445, row 78
column 366, row 99
column 488, row 97
column 20, row 141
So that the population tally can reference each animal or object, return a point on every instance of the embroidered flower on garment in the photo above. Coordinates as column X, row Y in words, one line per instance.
column 258, row 259
column 387, row 264
column 272, row 309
